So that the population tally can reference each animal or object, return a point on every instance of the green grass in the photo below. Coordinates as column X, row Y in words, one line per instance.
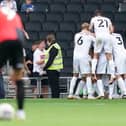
column 62, row 112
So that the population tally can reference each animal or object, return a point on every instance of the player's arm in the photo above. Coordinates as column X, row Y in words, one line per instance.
column 110, row 26
column 91, row 27
column 91, row 51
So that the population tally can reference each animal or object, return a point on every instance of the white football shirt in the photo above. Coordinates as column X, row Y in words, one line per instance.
column 37, row 56
column 83, row 42
column 101, row 24
column 118, row 45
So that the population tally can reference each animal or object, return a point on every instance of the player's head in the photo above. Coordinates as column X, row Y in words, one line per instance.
column 34, row 46
column 28, row 1
column 85, row 26
column 50, row 39
column 42, row 44
column 98, row 12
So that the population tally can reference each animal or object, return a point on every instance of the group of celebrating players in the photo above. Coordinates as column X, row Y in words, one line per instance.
column 99, row 59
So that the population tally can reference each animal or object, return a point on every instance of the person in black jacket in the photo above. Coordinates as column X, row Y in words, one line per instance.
column 53, row 64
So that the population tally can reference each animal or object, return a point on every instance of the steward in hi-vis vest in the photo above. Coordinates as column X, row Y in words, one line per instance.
column 53, row 64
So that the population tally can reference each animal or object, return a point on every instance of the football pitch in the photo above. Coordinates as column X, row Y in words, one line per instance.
column 63, row 112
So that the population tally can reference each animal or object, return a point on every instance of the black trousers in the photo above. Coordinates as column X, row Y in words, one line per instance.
column 53, row 80
column 2, row 91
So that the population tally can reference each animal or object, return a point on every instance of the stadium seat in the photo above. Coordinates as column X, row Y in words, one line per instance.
column 110, row 15
column 42, row 35
column 50, row 26
column 75, row 7
column 54, row 17
column 67, row 71
column 122, row 7
column 61, row 1
column 33, row 26
column 70, row 53
column 108, row 8
column 41, row 7
column 71, row 17
column 85, row 17
column 78, row 25
column 37, row 17
column 68, row 62
column 64, row 36
column 78, row 1
column 120, row 26
column 24, row 17
column 33, row 36
column 90, row 7
column 64, row 45
column 109, row 1
column 67, row 26
column 95, row 1
column 120, row 17
column 43, row 1
column 58, row 7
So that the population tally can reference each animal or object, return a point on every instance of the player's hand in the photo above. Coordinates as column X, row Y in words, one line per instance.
column 29, row 62
column 28, row 72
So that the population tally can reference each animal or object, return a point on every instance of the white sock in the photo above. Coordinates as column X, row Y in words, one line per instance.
column 85, row 90
column 94, row 64
column 125, row 82
column 111, row 67
column 115, row 88
column 79, row 87
column 111, row 89
column 89, row 85
column 121, row 85
column 72, row 85
column 100, row 87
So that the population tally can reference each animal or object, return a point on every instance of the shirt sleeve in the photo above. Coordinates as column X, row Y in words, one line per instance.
column 52, row 54
column 36, row 57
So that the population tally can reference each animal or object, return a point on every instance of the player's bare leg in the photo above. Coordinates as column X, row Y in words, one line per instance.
column 72, row 85
column 17, row 78
column 111, row 67
column 94, row 63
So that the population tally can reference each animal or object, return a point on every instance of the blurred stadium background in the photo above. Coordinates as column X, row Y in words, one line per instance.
column 63, row 17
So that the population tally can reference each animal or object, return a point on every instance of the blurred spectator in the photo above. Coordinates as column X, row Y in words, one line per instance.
column 9, row 3
column 38, row 64
column 27, row 6
column 29, row 58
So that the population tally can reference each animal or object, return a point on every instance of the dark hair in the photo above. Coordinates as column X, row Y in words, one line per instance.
column 98, row 12
column 51, row 38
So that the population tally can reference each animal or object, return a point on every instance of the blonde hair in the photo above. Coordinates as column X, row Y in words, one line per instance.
column 85, row 25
